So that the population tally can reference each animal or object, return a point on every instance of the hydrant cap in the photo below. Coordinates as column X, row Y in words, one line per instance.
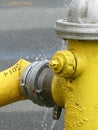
column 81, row 22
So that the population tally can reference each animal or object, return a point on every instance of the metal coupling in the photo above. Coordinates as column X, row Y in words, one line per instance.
column 36, row 83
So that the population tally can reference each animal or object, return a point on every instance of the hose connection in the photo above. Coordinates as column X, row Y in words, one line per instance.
column 36, row 83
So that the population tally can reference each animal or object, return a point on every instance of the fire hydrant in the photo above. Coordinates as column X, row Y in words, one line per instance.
column 75, row 84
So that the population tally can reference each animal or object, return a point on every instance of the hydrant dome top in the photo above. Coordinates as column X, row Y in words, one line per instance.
column 81, row 22
column 83, row 11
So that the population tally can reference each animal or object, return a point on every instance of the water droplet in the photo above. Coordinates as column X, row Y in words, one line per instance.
column 27, row 57
column 36, row 58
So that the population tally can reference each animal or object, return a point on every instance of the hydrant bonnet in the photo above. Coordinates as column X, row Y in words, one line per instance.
column 81, row 22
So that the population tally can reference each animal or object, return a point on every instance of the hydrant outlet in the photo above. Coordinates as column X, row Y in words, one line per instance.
column 63, row 63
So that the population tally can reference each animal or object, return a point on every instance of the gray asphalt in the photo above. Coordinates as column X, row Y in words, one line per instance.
column 27, row 31
column 25, row 115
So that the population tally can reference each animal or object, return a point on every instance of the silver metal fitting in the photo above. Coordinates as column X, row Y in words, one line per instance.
column 36, row 83
column 81, row 22
column 57, row 112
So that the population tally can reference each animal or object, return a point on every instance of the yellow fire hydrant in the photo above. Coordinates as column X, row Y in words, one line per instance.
column 75, row 84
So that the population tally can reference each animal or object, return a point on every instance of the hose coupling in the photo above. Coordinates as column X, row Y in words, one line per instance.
column 36, row 83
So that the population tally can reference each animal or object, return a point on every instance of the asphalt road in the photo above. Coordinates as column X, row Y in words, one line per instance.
column 25, row 115
column 27, row 31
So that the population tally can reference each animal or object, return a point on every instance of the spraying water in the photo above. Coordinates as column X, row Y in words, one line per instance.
column 53, row 124
column 44, row 120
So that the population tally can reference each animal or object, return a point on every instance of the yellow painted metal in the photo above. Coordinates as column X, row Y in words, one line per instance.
column 10, row 90
column 63, row 63
column 79, row 94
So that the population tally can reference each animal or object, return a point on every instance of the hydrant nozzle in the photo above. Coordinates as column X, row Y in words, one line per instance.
column 55, row 65
column 63, row 63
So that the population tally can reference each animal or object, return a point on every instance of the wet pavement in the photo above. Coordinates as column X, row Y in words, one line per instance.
column 25, row 115
column 27, row 31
